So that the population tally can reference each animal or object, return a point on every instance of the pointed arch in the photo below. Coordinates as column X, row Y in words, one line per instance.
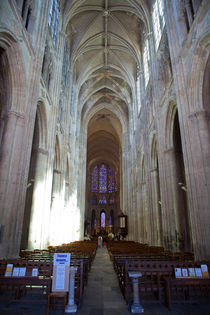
column 57, row 160
column 42, row 123
column 169, row 124
column 154, row 152
column 9, row 43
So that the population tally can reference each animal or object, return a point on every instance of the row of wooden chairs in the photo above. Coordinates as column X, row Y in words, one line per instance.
column 144, row 251
column 157, row 267
column 43, row 261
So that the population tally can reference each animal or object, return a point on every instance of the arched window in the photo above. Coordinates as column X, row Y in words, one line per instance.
column 103, row 220
column 146, row 60
column 103, row 179
column 94, row 200
column 111, row 200
column 94, row 180
column 138, row 92
column 158, row 21
column 110, row 180
column 102, row 200
column 65, row 64
column 54, row 20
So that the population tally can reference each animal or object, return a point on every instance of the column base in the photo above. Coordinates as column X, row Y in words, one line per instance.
column 71, row 308
column 137, row 308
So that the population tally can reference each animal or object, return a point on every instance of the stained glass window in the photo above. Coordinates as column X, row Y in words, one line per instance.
column 110, row 180
column 115, row 181
column 54, row 20
column 111, row 200
column 94, row 200
column 95, row 224
column 103, row 179
column 94, row 180
column 102, row 200
column 65, row 64
column 103, row 220
column 110, row 220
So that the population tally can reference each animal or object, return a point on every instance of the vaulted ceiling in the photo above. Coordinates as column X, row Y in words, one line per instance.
column 104, row 38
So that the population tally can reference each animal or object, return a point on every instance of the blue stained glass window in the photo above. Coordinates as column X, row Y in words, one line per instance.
column 111, row 200
column 94, row 200
column 95, row 224
column 94, row 180
column 110, row 221
column 116, row 181
column 102, row 200
column 103, row 179
column 54, row 19
column 103, row 220
column 110, row 179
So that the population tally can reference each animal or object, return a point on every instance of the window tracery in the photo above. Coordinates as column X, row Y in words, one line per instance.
column 158, row 21
column 146, row 60
column 54, row 20
column 103, row 179
column 65, row 64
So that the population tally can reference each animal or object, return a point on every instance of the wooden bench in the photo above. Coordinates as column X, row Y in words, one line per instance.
column 154, row 275
column 23, row 286
column 184, row 287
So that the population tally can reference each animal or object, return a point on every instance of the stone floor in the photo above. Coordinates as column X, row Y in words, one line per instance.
column 102, row 296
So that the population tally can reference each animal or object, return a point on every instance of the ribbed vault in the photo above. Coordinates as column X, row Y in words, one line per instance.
column 105, row 39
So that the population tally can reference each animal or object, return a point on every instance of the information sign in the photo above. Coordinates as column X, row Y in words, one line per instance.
column 61, row 267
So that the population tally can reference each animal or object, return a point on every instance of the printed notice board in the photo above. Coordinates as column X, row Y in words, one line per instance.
column 61, row 267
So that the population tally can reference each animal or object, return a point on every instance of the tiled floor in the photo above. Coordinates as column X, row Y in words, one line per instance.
column 102, row 296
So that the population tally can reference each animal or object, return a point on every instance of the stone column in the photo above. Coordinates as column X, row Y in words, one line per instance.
column 38, row 219
column 136, row 307
column 156, row 217
column 71, row 306
column 194, row 141
column 12, row 189
column 55, row 215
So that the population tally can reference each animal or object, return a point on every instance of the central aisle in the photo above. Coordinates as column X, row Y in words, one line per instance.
column 102, row 295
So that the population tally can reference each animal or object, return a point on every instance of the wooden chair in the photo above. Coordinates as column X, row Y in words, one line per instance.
column 56, row 299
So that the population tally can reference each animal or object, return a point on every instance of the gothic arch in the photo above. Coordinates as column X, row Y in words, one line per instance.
column 57, row 159
column 154, row 152
column 9, row 44
column 196, row 78
column 42, row 123
column 143, row 174
column 169, row 124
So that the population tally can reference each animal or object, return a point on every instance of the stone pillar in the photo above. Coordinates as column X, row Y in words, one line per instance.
column 156, row 217
column 136, row 307
column 71, row 306
column 38, row 219
column 177, row 225
column 12, row 189
column 55, row 215
column 194, row 141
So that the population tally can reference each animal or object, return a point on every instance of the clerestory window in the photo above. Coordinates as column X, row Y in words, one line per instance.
column 146, row 61
column 158, row 21
column 54, row 20
column 103, row 179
